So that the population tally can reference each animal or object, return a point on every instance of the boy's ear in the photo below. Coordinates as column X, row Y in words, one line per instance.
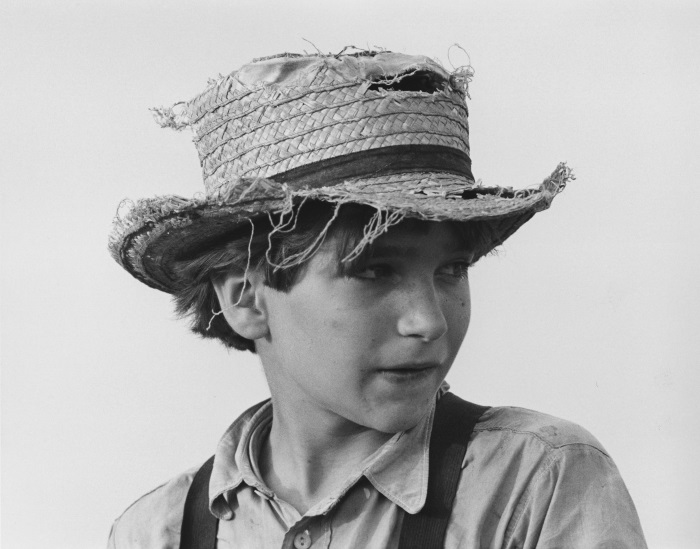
column 238, row 299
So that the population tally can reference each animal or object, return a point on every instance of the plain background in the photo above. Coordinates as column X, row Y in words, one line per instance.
column 590, row 312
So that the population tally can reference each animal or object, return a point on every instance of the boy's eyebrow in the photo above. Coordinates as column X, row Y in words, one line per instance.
column 388, row 251
column 392, row 251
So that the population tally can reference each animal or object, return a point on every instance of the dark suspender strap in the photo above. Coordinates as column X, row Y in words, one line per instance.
column 452, row 427
column 199, row 526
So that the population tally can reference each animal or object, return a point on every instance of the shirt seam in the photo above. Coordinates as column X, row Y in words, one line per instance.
column 541, row 439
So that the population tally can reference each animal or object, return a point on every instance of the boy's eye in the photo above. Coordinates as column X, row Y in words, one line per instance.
column 373, row 272
column 456, row 269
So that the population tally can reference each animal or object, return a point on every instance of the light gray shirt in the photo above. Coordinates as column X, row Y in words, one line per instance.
column 528, row 480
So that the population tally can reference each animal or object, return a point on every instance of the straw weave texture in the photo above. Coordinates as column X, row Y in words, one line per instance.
column 266, row 132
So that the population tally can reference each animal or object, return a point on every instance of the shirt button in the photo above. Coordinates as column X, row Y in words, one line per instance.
column 302, row 540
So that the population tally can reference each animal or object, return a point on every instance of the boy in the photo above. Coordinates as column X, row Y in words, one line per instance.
column 334, row 240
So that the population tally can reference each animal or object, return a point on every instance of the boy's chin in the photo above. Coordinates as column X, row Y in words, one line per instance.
column 395, row 419
column 395, row 412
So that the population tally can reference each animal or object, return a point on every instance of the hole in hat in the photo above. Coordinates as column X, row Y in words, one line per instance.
column 413, row 81
column 494, row 191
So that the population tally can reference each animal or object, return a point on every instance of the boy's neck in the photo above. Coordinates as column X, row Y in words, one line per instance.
column 308, row 456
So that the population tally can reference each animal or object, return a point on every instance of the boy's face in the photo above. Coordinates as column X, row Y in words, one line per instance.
column 372, row 348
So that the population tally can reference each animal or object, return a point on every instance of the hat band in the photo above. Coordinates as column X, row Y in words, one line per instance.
column 378, row 162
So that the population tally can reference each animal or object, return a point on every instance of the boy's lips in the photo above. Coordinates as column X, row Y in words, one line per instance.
column 409, row 371
column 411, row 367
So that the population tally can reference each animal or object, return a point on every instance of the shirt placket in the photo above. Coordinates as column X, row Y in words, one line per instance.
column 309, row 533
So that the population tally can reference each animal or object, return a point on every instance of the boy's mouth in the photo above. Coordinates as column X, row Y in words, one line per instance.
column 410, row 371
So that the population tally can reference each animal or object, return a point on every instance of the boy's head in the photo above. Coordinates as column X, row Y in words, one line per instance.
column 316, row 156
column 368, row 340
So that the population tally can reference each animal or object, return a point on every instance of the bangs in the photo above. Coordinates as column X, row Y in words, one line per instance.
column 474, row 237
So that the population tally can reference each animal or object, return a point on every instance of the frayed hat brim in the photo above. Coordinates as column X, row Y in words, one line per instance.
column 149, row 236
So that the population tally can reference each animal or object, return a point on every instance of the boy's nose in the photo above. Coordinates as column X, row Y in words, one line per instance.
column 421, row 313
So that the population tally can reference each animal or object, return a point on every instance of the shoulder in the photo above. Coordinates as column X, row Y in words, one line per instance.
column 540, row 477
column 521, row 425
column 533, row 452
column 541, row 451
column 154, row 520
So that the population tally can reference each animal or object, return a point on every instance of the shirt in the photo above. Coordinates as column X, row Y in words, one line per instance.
column 528, row 480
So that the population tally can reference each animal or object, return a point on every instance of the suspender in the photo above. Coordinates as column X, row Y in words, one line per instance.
column 452, row 428
column 199, row 526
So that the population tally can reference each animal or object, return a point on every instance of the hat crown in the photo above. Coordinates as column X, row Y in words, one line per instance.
column 289, row 112
column 295, row 70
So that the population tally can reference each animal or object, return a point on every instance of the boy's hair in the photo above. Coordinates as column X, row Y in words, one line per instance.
column 282, row 254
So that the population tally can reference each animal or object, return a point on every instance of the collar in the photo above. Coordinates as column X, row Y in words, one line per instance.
column 398, row 469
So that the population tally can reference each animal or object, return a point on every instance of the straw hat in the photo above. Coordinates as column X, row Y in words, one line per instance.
column 378, row 128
